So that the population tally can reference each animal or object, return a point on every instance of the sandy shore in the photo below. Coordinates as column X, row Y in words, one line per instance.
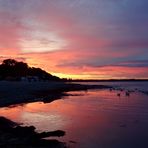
column 22, row 92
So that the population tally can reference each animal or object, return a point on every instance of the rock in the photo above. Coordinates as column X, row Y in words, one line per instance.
column 12, row 135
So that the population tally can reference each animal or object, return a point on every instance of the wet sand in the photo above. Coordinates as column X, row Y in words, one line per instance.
column 23, row 92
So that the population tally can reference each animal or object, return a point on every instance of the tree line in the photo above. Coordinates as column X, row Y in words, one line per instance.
column 13, row 69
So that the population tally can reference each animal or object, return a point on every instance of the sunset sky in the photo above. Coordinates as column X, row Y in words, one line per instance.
column 79, row 39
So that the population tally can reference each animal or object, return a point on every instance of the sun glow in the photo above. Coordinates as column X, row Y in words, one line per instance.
column 72, row 76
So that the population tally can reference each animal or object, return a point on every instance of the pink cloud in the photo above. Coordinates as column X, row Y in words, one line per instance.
column 90, row 47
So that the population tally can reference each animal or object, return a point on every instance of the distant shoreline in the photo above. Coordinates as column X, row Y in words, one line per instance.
column 17, row 92
column 111, row 80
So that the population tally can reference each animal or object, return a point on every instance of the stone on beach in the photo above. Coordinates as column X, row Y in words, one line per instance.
column 14, row 135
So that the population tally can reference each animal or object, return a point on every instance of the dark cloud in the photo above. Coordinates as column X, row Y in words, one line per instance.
column 135, row 63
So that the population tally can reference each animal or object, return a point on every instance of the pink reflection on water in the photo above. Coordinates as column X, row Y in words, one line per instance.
column 97, row 118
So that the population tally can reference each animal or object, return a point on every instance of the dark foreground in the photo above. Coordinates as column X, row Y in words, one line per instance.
column 22, row 92
column 12, row 135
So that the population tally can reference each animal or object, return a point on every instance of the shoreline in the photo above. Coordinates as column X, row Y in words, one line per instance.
column 18, row 92
column 14, row 135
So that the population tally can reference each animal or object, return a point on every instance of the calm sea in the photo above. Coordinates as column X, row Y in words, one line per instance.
column 92, row 119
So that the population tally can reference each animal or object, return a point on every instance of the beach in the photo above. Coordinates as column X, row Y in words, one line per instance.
column 14, row 92
column 97, row 117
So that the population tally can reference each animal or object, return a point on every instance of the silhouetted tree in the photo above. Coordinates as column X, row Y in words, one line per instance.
column 9, row 62
column 15, row 69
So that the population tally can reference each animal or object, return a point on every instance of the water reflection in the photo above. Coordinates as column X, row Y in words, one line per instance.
column 97, row 118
